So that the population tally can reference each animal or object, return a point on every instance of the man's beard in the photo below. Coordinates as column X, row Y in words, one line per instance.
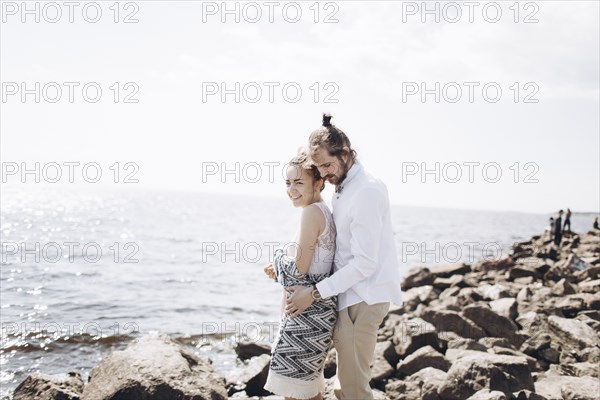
column 343, row 176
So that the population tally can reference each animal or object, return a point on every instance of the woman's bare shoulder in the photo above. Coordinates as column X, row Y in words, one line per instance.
column 313, row 215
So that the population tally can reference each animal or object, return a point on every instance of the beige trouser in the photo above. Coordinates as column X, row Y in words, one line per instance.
column 354, row 338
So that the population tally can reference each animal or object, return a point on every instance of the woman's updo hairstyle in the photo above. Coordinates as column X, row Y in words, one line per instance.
column 331, row 138
column 303, row 161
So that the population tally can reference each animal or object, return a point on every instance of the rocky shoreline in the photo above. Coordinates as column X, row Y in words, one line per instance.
column 524, row 327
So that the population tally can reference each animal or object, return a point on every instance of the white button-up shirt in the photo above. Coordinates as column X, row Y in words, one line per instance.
column 365, row 265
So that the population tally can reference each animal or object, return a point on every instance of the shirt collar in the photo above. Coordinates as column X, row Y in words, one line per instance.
column 354, row 170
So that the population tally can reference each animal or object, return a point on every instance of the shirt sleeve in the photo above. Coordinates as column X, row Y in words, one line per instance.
column 365, row 236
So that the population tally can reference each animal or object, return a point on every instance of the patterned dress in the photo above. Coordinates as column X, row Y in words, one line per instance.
column 302, row 343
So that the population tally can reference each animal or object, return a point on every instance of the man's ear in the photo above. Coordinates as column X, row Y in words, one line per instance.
column 346, row 155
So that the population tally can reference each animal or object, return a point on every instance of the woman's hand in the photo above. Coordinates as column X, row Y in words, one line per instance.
column 270, row 271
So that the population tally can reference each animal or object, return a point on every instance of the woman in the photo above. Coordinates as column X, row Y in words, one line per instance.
column 302, row 343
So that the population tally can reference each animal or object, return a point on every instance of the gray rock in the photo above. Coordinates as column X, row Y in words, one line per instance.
column 447, row 270
column 585, row 369
column 550, row 354
column 387, row 351
column 472, row 373
column 524, row 294
column 445, row 283
column 454, row 354
column 522, row 271
column 534, row 364
column 40, row 386
column 573, row 333
column 466, row 344
column 494, row 324
column 453, row 321
column 381, row 368
column 536, row 343
column 425, row 294
column 506, row 307
column 415, row 277
column 486, row 394
column 501, row 264
column 526, row 395
column 250, row 378
column 422, row 358
column 563, row 288
column 413, row 334
column 430, row 380
column 330, row 367
column 574, row 263
column 248, row 349
column 405, row 390
column 468, row 296
column 152, row 368
column 591, row 354
column 490, row 342
column 561, row 387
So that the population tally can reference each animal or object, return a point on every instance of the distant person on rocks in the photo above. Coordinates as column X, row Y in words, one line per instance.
column 567, row 221
column 551, row 230
column 558, row 228
column 596, row 223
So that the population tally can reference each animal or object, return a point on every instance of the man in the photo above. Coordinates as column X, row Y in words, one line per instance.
column 366, row 276
column 558, row 228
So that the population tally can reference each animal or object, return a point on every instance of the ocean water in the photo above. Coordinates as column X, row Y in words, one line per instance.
column 85, row 272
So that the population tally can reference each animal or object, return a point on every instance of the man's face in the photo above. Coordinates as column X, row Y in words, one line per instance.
column 331, row 168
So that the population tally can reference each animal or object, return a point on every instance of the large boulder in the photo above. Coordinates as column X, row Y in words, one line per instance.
column 479, row 370
column 154, row 368
column 429, row 380
column 559, row 387
column 405, row 390
column 40, row 386
column 494, row 324
column 422, row 358
column 412, row 334
column 452, row 321
column 572, row 333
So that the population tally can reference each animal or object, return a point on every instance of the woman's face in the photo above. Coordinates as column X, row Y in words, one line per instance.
column 301, row 187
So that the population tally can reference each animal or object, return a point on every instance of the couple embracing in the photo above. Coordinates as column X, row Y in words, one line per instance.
column 341, row 276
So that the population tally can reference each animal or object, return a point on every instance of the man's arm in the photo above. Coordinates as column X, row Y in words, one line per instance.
column 365, row 234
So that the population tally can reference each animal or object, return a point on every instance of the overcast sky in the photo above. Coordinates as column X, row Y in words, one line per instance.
column 373, row 62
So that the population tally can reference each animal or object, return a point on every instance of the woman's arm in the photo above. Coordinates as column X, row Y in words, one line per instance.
column 312, row 225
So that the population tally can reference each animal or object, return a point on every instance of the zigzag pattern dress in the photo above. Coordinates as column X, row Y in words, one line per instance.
column 301, row 346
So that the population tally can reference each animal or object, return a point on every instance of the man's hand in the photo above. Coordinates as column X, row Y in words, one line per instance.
column 270, row 271
column 299, row 300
